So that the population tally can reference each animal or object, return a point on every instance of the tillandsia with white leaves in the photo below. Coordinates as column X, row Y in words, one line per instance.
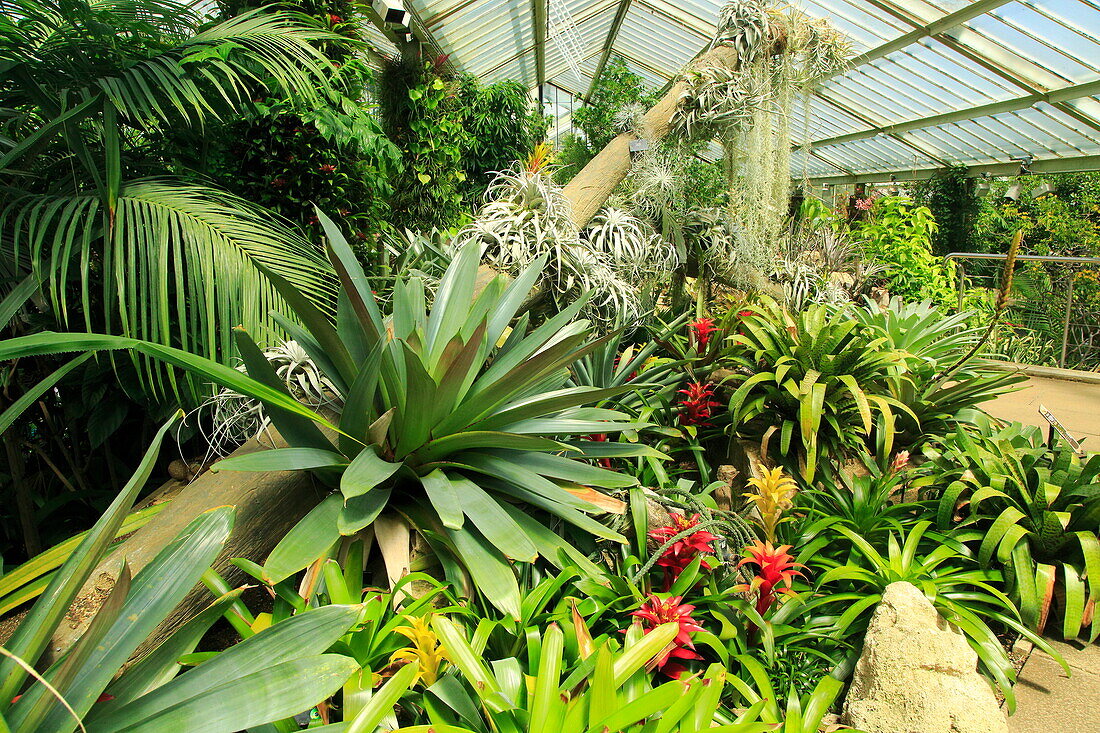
column 616, row 259
column 635, row 251
column 747, row 106
column 236, row 418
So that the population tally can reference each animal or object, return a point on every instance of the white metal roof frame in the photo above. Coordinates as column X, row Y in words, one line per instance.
column 935, row 82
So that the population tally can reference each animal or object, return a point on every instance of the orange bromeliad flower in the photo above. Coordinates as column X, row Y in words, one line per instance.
column 657, row 611
column 776, row 568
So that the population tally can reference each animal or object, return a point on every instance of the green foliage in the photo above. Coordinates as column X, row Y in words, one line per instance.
column 811, row 384
column 899, row 235
column 423, row 115
column 1036, row 510
column 617, row 88
column 272, row 676
column 949, row 196
column 931, row 343
column 86, row 207
column 503, row 124
column 949, row 576
column 1066, row 223
column 441, row 426
column 604, row 687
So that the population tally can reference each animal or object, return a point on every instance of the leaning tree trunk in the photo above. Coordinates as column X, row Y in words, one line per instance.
column 590, row 188
column 268, row 504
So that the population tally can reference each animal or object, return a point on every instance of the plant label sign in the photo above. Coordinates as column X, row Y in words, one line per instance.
column 1056, row 425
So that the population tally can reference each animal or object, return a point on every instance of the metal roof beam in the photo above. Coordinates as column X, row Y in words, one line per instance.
column 1075, row 91
column 1048, row 166
column 927, row 30
column 612, row 36
column 539, row 12
column 867, row 121
column 972, row 46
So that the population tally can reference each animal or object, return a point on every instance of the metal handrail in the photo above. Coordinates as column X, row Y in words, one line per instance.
column 1021, row 258
column 959, row 256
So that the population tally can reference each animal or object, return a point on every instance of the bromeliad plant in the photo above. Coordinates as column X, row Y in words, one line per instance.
column 452, row 417
column 1037, row 510
column 772, row 497
column 271, row 676
column 817, row 379
column 776, row 570
column 963, row 593
column 931, row 344
column 556, row 688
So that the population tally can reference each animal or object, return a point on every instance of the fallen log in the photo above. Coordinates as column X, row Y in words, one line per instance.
column 590, row 188
column 268, row 504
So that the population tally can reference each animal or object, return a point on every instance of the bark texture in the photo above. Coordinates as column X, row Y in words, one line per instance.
column 590, row 188
column 268, row 505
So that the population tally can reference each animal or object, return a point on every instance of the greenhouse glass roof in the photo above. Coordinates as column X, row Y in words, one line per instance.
column 934, row 83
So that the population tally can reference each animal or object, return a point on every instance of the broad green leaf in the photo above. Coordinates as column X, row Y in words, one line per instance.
column 365, row 473
column 34, row 632
column 270, row 693
column 491, row 573
column 359, row 511
column 308, row 540
column 444, row 496
column 160, row 665
column 282, row 459
column 155, row 591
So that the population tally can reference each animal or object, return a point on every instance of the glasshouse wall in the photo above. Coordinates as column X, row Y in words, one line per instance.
column 652, row 473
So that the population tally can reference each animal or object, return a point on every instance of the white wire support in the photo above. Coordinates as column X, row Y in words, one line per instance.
column 563, row 29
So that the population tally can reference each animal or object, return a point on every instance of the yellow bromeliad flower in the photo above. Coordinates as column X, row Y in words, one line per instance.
column 772, row 497
column 540, row 157
column 425, row 649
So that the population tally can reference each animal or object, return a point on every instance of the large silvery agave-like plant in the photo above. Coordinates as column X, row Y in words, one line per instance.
column 457, row 419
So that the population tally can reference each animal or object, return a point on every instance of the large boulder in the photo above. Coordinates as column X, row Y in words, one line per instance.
column 917, row 674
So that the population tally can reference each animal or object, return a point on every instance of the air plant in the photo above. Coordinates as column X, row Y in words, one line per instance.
column 776, row 570
column 236, row 418
column 526, row 216
column 656, row 611
column 631, row 247
column 772, row 497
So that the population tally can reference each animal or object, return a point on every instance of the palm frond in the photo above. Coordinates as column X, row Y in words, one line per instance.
column 179, row 266
column 180, row 72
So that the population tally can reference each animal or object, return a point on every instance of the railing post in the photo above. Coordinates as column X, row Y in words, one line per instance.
column 962, row 282
column 1065, row 322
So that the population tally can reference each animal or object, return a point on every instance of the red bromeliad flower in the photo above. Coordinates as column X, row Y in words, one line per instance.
column 326, row 168
column 656, row 611
column 700, row 332
column 334, row 19
column 683, row 551
column 696, row 405
column 600, row 438
column 776, row 568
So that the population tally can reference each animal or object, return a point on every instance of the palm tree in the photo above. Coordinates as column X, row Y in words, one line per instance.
column 117, row 243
